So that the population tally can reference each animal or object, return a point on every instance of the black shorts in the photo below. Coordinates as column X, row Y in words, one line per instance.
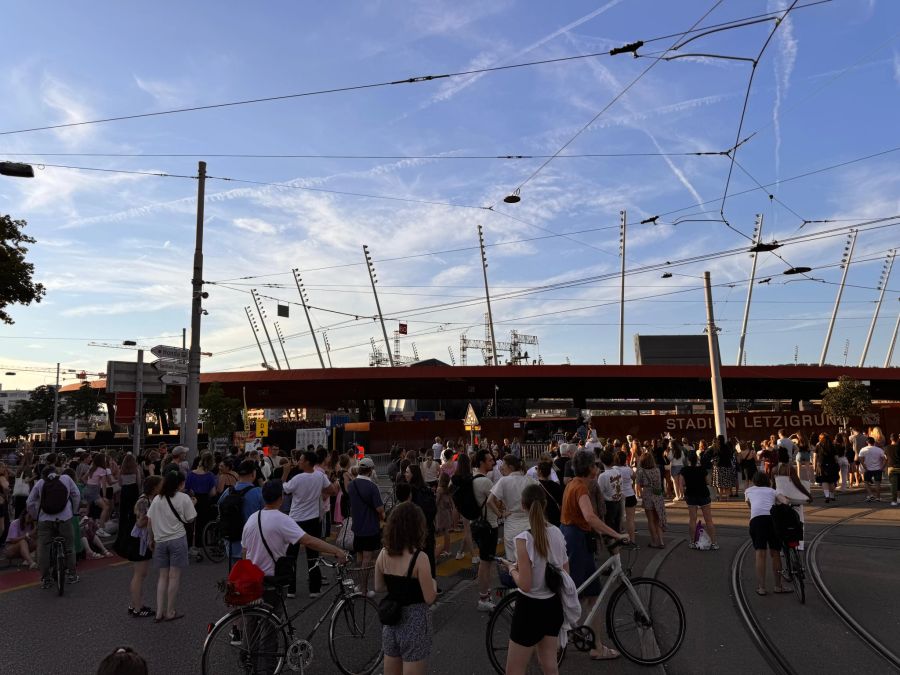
column 371, row 542
column 535, row 619
column 873, row 476
column 487, row 543
column 613, row 515
column 762, row 533
column 697, row 500
column 630, row 502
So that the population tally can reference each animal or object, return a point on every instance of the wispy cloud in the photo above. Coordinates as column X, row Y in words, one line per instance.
column 255, row 225
column 69, row 106
column 784, row 62
column 165, row 93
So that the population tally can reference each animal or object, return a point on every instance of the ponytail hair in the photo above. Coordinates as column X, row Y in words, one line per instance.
column 171, row 482
column 534, row 500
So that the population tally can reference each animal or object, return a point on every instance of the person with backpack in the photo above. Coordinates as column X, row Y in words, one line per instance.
column 168, row 517
column 472, row 500
column 236, row 505
column 53, row 502
column 538, row 615
column 367, row 514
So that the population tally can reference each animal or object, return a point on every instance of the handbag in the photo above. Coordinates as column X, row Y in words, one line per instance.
column 345, row 537
column 245, row 583
column 390, row 611
column 284, row 566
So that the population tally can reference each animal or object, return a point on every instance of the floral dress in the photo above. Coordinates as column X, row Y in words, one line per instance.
column 444, row 519
column 652, row 494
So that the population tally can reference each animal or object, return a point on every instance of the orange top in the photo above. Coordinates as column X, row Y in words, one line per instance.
column 571, row 511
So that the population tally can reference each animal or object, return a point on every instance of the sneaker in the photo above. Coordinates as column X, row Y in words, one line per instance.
column 692, row 545
column 291, row 595
column 235, row 637
column 892, row 504
column 370, row 594
column 714, row 547
column 475, row 560
column 46, row 582
column 486, row 605
column 460, row 555
column 72, row 578
column 314, row 595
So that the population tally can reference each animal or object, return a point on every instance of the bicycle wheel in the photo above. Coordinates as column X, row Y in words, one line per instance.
column 796, row 565
column 213, row 544
column 496, row 637
column 60, row 569
column 645, row 621
column 354, row 637
column 247, row 640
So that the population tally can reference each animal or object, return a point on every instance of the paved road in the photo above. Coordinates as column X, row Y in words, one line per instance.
column 858, row 560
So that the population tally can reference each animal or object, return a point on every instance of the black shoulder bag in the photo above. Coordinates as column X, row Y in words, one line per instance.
column 284, row 566
column 390, row 611
column 175, row 511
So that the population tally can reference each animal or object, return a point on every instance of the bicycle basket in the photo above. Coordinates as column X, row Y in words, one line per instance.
column 362, row 576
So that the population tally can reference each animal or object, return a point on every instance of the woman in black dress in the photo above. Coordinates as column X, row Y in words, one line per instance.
column 826, row 467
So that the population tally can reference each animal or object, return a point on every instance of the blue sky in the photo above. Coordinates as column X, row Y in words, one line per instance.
column 115, row 249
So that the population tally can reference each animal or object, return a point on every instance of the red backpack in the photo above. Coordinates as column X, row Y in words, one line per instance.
column 245, row 583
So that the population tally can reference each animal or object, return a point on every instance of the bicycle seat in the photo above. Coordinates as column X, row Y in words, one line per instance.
column 273, row 583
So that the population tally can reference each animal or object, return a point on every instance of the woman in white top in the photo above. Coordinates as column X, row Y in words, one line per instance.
column 676, row 464
column 762, row 531
column 627, row 486
column 431, row 471
column 98, row 479
column 538, row 615
column 168, row 515
column 506, row 496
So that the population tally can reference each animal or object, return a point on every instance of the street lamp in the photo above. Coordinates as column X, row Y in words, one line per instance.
column 16, row 170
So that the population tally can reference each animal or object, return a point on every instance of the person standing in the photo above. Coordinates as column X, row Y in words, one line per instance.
column 762, row 498
column 506, row 498
column 579, row 521
column 201, row 485
column 696, row 495
column 131, row 480
column 652, row 499
column 546, row 476
column 307, row 489
column 138, row 550
column 169, row 514
column 825, row 466
column 892, row 461
column 486, row 533
column 538, row 615
column 244, row 492
column 628, row 496
column 437, row 449
column 52, row 502
column 872, row 461
column 404, row 574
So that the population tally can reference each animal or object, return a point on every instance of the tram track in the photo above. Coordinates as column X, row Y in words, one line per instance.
column 764, row 641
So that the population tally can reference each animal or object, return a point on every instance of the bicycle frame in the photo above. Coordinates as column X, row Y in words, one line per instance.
column 614, row 564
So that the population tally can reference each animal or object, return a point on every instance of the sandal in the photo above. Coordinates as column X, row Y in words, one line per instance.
column 141, row 613
column 93, row 556
column 782, row 589
column 108, row 554
column 604, row 654
column 174, row 617
column 761, row 591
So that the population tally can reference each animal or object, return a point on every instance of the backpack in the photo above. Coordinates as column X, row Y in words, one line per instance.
column 786, row 520
column 231, row 513
column 54, row 495
column 463, row 494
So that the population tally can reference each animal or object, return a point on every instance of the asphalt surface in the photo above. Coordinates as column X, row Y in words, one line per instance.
column 859, row 558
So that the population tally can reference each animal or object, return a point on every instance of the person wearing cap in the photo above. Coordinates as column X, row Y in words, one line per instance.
column 367, row 511
column 307, row 489
column 253, row 501
column 280, row 531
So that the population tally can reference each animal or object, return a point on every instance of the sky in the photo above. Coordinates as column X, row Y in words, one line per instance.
column 410, row 170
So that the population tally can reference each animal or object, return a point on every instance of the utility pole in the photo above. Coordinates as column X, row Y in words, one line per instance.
column 487, row 295
column 845, row 264
column 327, row 348
column 138, row 406
column 183, row 393
column 303, row 299
column 622, row 228
column 281, row 341
column 255, row 330
column 714, row 361
column 756, row 241
column 55, row 431
column 890, row 351
column 372, row 277
column 883, row 282
column 192, row 414
column 262, row 320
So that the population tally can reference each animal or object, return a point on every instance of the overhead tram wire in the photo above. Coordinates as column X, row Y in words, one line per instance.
column 374, row 85
column 609, row 105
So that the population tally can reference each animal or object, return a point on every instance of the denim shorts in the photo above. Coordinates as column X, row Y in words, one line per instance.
column 172, row 553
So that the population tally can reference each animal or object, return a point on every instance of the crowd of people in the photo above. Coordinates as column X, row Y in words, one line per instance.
column 152, row 510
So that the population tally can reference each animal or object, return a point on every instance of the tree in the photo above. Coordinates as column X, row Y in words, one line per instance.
column 17, row 420
column 158, row 404
column 16, row 285
column 219, row 412
column 850, row 398
column 83, row 403
column 42, row 403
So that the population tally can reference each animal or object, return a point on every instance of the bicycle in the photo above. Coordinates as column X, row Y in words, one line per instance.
column 214, row 545
column 256, row 639
column 644, row 617
column 792, row 569
column 57, row 555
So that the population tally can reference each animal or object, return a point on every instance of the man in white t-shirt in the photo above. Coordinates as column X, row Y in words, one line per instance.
column 787, row 444
column 437, row 448
column 872, row 461
column 307, row 489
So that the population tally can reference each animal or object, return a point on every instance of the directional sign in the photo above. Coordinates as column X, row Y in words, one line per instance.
column 166, row 352
column 471, row 419
column 170, row 365
column 122, row 376
column 174, row 378
column 262, row 428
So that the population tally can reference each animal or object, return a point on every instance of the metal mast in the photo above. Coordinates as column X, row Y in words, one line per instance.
column 372, row 277
column 303, row 299
column 845, row 264
column 255, row 329
column 715, row 361
column 487, row 295
column 262, row 320
column 883, row 282
column 757, row 238
column 622, row 228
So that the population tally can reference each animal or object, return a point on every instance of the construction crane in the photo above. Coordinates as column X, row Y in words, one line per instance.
column 516, row 340
column 377, row 357
column 513, row 347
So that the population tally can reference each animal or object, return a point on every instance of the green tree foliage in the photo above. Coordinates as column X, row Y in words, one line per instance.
column 849, row 399
column 158, row 405
column 16, row 284
column 41, row 403
column 17, row 420
column 219, row 412
column 82, row 404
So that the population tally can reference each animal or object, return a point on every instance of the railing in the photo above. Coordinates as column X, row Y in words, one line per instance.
column 533, row 451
